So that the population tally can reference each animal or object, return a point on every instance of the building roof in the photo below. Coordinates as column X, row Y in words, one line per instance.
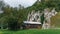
column 30, row 22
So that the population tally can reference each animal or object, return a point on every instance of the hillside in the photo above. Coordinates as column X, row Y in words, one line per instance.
column 55, row 21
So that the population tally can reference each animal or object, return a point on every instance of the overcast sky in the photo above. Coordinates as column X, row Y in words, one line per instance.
column 15, row 3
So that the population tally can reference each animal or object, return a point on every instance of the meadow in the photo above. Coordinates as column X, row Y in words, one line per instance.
column 31, row 31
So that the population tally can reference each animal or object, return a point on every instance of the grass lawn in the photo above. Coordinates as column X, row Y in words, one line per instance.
column 37, row 31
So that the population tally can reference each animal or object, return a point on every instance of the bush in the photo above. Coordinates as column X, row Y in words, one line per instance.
column 12, row 24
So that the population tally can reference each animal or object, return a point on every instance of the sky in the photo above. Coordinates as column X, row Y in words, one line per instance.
column 15, row 3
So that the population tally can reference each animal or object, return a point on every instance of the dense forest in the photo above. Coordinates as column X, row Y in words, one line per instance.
column 12, row 18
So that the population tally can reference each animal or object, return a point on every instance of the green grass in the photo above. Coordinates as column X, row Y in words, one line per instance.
column 37, row 31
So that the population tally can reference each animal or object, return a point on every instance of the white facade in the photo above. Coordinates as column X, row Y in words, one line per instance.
column 33, row 18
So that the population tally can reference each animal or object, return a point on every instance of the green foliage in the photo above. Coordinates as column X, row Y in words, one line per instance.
column 42, row 18
column 12, row 24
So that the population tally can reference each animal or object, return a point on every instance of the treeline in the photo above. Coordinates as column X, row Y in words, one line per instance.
column 12, row 18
